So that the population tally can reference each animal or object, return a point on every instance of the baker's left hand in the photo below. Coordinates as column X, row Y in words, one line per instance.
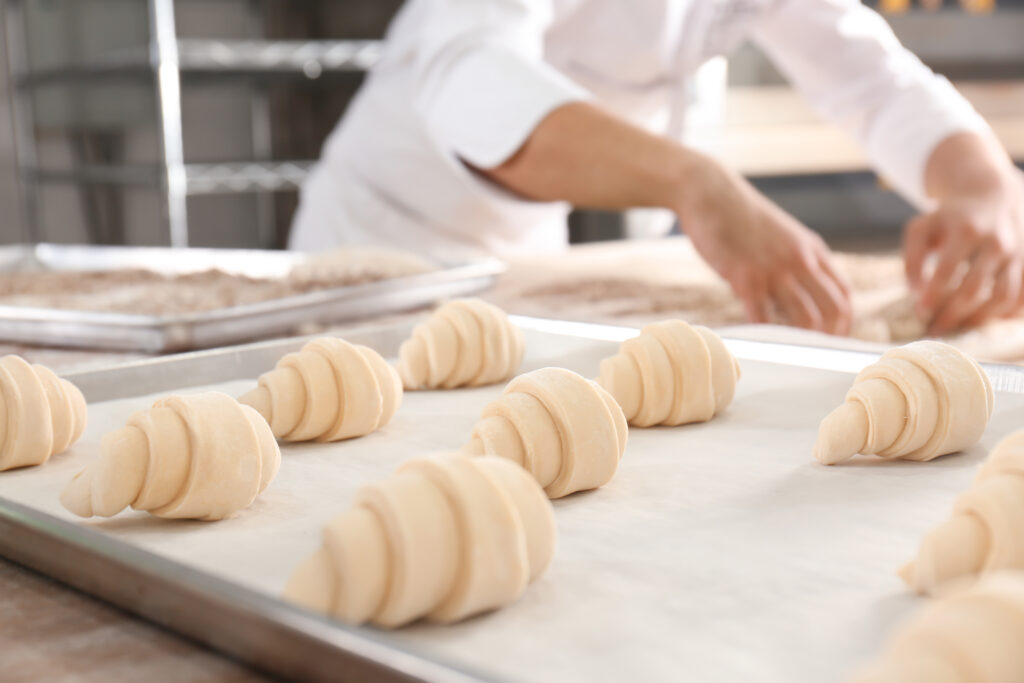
column 978, row 243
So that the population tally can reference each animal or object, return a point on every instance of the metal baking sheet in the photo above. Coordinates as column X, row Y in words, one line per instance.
column 684, row 567
column 220, row 327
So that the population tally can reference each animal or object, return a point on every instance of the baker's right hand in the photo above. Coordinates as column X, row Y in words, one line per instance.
column 771, row 261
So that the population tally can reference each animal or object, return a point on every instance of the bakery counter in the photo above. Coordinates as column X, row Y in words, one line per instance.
column 771, row 130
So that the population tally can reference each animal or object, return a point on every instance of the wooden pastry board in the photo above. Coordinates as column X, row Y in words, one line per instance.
column 720, row 552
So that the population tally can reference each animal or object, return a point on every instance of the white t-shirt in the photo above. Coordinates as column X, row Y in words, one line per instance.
column 471, row 79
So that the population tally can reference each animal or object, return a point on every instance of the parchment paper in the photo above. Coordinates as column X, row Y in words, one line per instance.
column 720, row 552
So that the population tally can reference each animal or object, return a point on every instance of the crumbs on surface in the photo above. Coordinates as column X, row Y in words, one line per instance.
column 145, row 292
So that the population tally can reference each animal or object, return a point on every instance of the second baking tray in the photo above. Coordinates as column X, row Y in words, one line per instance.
column 220, row 327
column 719, row 552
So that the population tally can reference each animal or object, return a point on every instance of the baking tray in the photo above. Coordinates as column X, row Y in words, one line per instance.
column 254, row 627
column 220, row 327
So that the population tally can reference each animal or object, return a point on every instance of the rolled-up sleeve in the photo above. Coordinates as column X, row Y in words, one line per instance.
column 851, row 67
column 482, row 83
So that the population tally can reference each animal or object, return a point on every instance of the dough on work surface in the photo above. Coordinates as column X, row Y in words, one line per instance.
column 466, row 343
column 637, row 282
column 204, row 456
column 328, row 391
column 566, row 430
column 40, row 414
column 917, row 402
column 986, row 531
column 443, row 538
column 974, row 635
column 672, row 374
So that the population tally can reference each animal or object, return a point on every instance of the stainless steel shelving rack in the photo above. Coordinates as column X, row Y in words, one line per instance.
column 165, row 59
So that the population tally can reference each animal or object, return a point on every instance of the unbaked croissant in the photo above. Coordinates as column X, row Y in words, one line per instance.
column 974, row 635
column 466, row 343
column 917, row 402
column 40, row 414
column 566, row 430
column 328, row 391
column 443, row 538
column 204, row 456
column 986, row 531
column 672, row 374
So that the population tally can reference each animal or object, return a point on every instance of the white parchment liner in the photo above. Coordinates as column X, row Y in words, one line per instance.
column 720, row 552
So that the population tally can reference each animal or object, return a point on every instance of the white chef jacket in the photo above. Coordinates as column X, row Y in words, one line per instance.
column 470, row 80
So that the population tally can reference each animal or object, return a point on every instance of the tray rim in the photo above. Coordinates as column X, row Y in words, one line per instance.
column 36, row 539
column 484, row 266
column 307, row 644
column 231, row 324
column 481, row 268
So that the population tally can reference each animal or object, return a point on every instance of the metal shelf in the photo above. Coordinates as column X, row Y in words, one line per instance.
column 166, row 61
column 200, row 179
column 246, row 177
column 309, row 58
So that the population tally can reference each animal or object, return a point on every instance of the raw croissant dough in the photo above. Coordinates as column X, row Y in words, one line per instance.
column 917, row 402
column 672, row 374
column 466, row 343
column 986, row 531
column 972, row 636
column 566, row 430
column 204, row 456
column 443, row 538
column 40, row 414
column 328, row 391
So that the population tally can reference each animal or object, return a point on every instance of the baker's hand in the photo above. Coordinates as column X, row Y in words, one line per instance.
column 769, row 258
column 977, row 243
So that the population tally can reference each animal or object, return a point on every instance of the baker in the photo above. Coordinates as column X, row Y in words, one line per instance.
column 486, row 120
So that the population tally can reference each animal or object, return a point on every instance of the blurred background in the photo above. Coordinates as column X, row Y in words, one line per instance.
column 192, row 122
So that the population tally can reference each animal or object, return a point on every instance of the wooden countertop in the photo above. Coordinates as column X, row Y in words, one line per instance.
column 51, row 633
column 771, row 131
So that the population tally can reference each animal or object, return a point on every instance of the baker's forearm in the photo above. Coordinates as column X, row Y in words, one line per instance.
column 967, row 164
column 585, row 156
